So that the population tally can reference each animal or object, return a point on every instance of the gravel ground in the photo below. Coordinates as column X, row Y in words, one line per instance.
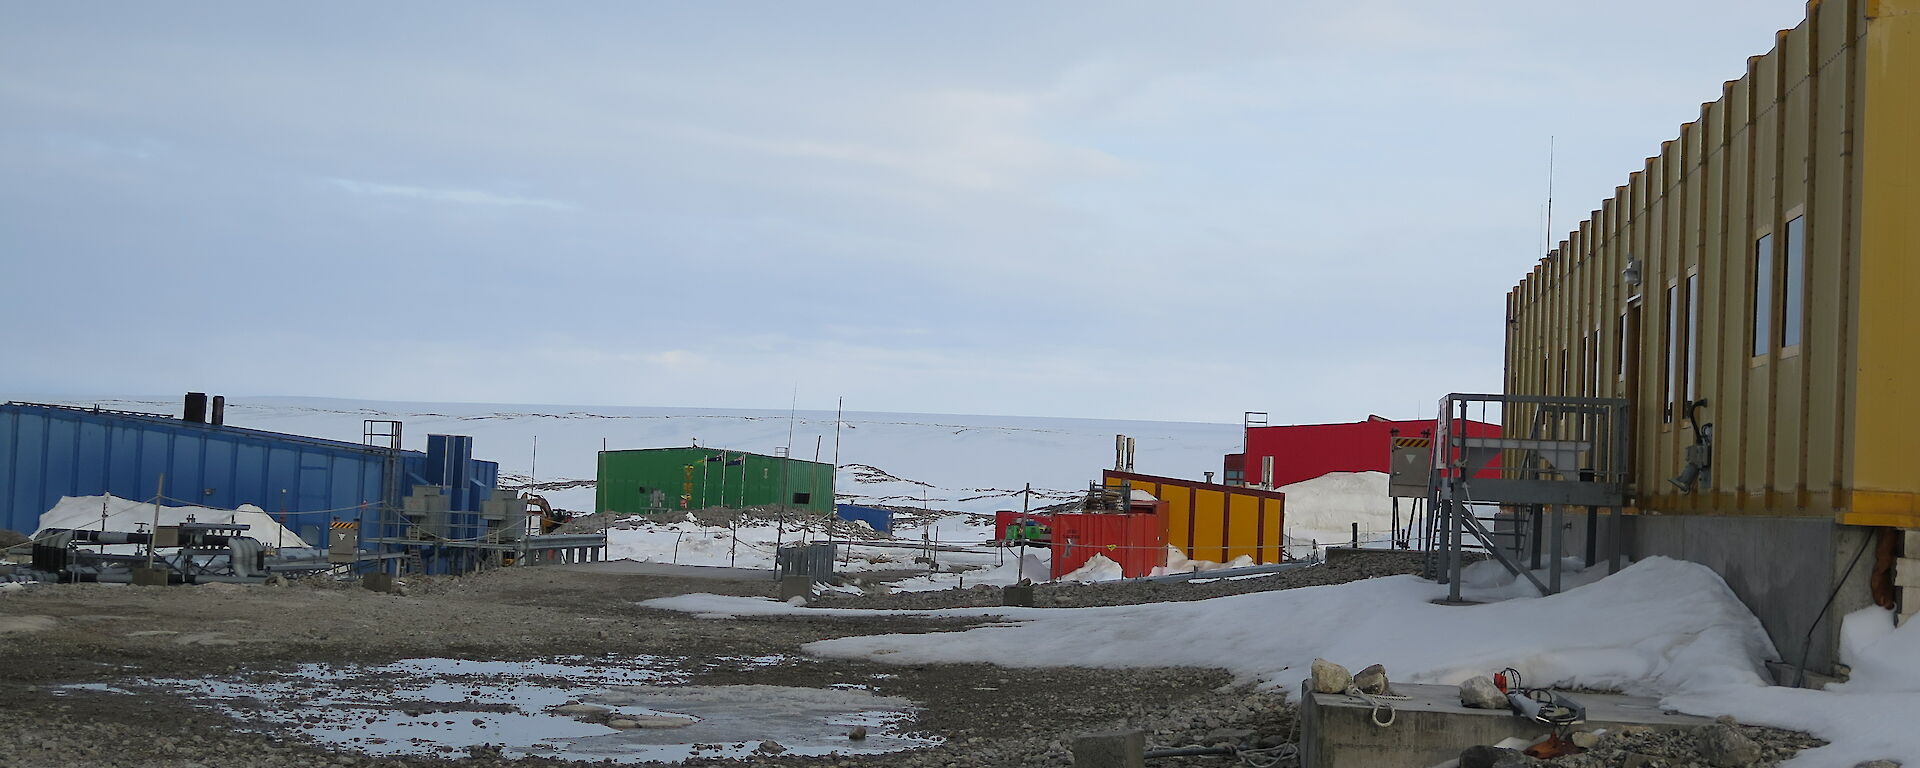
column 54, row 636
column 57, row 635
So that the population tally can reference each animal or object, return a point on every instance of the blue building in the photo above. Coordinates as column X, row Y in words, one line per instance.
column 50, row 451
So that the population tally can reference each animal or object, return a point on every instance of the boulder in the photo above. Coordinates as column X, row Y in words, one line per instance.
column 1724, row 745
column 1480, row 693
column 1372, row 680
column 1329, row 677
column 1494, row 757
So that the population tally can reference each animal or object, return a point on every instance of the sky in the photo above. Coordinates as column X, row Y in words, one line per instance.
column 1164, row 211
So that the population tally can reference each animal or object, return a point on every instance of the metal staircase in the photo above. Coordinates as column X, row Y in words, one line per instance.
column 1507, row 496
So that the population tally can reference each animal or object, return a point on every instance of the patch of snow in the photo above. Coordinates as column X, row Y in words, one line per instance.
column 1017, row 566
column 1097, row 568
column 84, row 512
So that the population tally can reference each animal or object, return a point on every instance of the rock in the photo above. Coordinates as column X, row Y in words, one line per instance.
column 1480, row 693
column 1494, row 757
column 1879, row 764
column 1584, row 739
column 623, row 724
column 770, row 747
column 579, row 709
column 1637, row 760
column 1329, row 677
column 1724, row 745
column 859, row 733
column 1372, row 680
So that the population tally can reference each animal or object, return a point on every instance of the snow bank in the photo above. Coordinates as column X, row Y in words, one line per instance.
column 1325, row 508
column 1178, row 562
column 1657, row 627
column 1870, row 717
column 1097, row 568
column 126, row 515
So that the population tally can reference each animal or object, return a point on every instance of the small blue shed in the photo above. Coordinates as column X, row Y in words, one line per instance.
column 879, row 519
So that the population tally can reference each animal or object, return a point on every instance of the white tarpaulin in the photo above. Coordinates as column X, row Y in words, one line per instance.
column 124, row 514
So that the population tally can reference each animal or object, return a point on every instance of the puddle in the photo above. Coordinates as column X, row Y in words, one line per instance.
column 455, row 707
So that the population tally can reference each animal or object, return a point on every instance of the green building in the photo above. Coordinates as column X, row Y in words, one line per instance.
column 654, row 479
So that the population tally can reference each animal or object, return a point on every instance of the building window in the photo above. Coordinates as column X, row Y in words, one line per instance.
column 1693, row 337
column 802, row 498
column 1593, row 363
column 1793, row 278
column 1763, row 295
column 1620, row 347
column 1672, row 345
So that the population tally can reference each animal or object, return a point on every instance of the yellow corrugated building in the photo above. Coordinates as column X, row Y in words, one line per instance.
column 1214, row 522
column 1762, row 273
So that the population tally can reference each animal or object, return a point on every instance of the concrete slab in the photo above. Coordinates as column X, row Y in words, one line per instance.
column 1431, row 726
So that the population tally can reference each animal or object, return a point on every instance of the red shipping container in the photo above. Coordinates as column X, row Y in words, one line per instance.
column 1137, row 541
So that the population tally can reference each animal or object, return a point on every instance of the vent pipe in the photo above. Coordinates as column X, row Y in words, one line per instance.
column 196, row 408
column 219, row 415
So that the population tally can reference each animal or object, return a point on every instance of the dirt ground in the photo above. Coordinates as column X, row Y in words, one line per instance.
column 52, row 636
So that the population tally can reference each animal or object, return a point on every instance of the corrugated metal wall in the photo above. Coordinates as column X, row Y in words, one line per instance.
column 1215, row 522
column 1137, row 542
column 47, row 452
column 695, row 478
column 1747, row 231
column 1306, row 451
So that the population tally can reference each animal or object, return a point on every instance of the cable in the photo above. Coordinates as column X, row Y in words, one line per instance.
column 1806, row 644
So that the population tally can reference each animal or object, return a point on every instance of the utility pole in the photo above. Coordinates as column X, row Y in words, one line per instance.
column 159, row 490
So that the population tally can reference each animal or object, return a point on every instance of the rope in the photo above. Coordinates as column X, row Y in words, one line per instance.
column 1379, row 703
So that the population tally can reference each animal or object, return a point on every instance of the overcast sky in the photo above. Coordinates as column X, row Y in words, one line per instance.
column 1103, row 209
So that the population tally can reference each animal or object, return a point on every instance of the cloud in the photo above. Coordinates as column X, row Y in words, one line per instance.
column 459, row 195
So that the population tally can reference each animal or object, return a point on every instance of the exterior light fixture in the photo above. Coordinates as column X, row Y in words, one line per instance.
column 1632, row 273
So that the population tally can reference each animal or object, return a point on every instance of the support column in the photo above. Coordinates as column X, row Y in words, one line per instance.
column 1559, row 548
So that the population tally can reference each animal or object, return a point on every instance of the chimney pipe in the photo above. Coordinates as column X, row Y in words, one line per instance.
column 219, row 416
column 196, row 408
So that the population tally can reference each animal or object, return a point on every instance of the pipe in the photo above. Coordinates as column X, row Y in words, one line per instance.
column 1188, row 751
column 89, row 536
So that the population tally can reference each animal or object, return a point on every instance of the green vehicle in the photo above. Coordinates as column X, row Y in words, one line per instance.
column 1027, row 532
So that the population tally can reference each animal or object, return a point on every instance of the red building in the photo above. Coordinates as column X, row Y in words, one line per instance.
column 1306, row 451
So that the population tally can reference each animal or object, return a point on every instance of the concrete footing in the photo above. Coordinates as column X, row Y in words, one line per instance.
column 1018, row 595
column 1117, row 749
column 149, row 577
column 795, row 586
column 377, row 582
column 1431, row 726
